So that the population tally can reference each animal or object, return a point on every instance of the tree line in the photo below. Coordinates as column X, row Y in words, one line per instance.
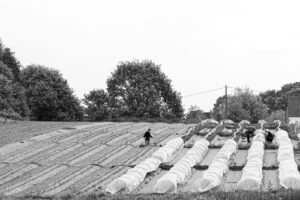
column 135, row 89
column 245, row 105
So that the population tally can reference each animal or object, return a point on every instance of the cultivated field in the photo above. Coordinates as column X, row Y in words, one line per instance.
column 86, row 157
column 82, row 158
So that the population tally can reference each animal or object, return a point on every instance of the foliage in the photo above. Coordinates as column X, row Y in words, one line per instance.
column 237, row 113
column 49, row 95
column 9, row 59
column 140, row 89
column 10, row 114
column 97, row 104
column 242, row 105
column 5, row 71
column 278, row 100
column 276, row 115
column 219, row 108
column 12, row 95
column 270, row 98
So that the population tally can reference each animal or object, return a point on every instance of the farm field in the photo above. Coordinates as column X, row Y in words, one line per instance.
column 14, row 132
column 83, row 157
column 86, row 157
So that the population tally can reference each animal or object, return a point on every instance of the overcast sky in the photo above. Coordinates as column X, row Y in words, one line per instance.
column 201, row 45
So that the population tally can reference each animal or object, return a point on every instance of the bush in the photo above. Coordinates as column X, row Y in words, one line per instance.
column 276, row 115
column 10, row 114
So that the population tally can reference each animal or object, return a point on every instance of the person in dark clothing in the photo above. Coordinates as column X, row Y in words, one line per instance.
column 249, row 133
column 147, row 137
column 269, row 137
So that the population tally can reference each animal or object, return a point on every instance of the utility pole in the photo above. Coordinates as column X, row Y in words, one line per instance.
column 226, row 102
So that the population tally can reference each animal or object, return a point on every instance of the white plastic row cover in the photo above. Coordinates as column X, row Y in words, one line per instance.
column 181, row 171
column 168, row 152
column 135, row 176
column 212, row 177
column 289, row 176
column 252, row 173
column 203, row 122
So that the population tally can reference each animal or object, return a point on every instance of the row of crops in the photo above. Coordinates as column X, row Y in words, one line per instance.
column 207, row 130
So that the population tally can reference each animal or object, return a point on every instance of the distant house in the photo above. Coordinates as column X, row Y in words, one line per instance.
column 294, row 109
column 195, row 114
column 207, row 115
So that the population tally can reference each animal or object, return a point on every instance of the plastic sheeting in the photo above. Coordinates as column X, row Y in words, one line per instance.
column 168, row 152
column 245, row 122
column 212, row 177
column 181, row 171
column 135, row 176
column 252, row 173
column 228, row 121
column 203, row 122
column 289, row 176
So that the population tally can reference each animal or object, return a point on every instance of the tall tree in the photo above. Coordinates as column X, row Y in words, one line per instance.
column 9, row 59
column 97, row 104
column 285, row 92
column 140, row 89
column 243, row 105
column 270, row 99
column 12, row 94
column 219, row 108
column 49, row 95
column 278, row 100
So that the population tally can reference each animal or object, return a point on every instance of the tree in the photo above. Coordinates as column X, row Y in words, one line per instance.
column 5, row 92
column 270, row 99
column 236, row 112
column 276, row 115
column 12, row 95
column 97, row 104
column 278, row 100
column 285, row 92
column 242, row 105
column 140, row 89
column 219, row 108
column 9, row 59
column 49, row 95
column 5, row 71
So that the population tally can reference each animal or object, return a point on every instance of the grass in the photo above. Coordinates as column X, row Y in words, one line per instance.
column 216, row 195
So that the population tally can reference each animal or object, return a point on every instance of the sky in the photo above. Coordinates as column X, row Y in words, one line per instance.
column 201, row 45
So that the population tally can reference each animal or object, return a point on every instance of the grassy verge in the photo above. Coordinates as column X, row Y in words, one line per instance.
column 218, row 195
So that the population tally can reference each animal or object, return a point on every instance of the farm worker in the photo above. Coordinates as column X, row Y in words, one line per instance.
column 269, row 137
column 249, row 133
column 147, row 137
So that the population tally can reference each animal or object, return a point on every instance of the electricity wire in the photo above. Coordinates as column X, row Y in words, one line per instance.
column 204, row 92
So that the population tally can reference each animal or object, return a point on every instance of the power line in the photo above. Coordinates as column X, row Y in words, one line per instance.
column 216, row 89
column 204, row 92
